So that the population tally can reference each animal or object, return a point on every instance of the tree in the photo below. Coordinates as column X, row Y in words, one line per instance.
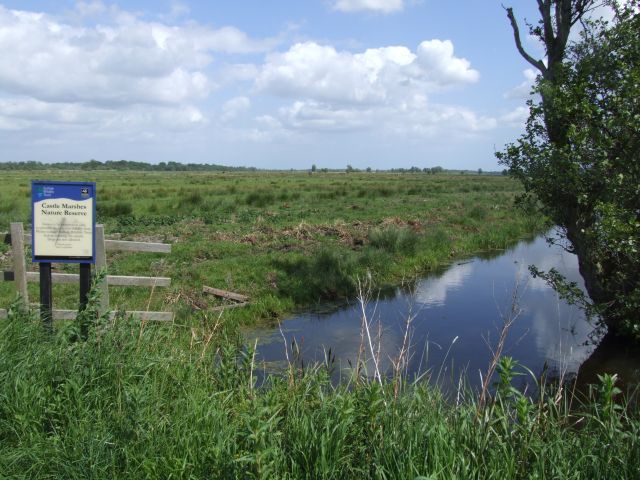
column 580, row 154
column 314, row 168
column 479, row 171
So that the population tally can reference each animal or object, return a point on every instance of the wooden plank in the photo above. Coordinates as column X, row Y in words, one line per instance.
column 125, row 245
column 19, row 263
column 34, row 277
column 227, row 307
column 122, row 280
column 59, row 314
column 225, row 294
column 142, row 315
column 101, row 264
column 134, row 281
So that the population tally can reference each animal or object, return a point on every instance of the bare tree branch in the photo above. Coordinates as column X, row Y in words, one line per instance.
column 516, row 35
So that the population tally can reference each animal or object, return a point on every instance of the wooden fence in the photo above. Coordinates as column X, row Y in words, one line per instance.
column 17, row 238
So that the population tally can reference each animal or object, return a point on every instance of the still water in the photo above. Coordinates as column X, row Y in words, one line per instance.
column 456, row 315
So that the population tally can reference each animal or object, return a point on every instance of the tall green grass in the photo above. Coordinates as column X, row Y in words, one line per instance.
column 143, row 400
column 292, row 238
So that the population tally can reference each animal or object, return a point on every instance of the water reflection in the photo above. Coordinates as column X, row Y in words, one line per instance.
column 456, row 320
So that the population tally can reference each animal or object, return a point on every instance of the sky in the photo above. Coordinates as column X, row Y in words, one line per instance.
column 270, row 84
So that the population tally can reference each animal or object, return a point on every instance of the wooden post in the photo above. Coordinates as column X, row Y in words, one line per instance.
column 85, row 287
column 85, row 284
column 101, row 263
column 46, row 295
column 19, row 264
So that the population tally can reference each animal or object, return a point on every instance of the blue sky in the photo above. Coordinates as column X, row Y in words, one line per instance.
column 271, row 84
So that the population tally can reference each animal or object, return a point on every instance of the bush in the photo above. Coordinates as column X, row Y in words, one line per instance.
column 394, row 240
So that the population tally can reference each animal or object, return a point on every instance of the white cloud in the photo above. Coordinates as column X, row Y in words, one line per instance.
column 516, row 117
column 381, row 88
column 20, row 113
column 374, row 76
column 129, row 62
column 312, row 115
column 436, row 61
column 90, row 9
column 379, row 6
column 523, row 91
column 235, row 106
column 118, row 74
column 433, row 291
column 238, row 72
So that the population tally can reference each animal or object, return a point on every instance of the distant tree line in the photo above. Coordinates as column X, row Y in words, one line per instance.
column 125, row 165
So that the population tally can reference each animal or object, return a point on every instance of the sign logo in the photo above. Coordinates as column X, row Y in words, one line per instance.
column 84, row 192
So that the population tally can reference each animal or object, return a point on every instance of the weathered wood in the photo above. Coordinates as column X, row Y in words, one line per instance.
column 3, row 314
column 225, row 294
column 19, row 263
column 101, row 264
column 34, row 277
column 227, row 307
column 127, row 246
column 124, row 245
column 142, row 315
column 134, row 281
column 122, row 280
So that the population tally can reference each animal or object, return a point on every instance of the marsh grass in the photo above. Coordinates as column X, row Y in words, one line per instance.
column 394, row 240
column 242, row 230
column 180, row 401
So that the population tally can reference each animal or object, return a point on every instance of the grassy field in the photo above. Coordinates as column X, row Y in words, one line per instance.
column 133, row 399
column 286, row 239
column 168, row 401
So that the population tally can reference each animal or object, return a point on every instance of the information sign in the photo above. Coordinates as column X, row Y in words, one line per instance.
column 63, row 220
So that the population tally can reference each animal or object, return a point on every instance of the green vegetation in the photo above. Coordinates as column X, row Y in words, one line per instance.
column 285, row 239
column 152, row 401
column 126, row 165
column 579, row 155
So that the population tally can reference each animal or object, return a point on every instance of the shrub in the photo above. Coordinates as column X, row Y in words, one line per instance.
column 394, row 240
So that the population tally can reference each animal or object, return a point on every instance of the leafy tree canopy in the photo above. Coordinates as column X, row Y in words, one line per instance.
column 587, row 179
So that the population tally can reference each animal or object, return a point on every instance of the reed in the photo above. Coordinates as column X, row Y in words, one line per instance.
column 182, row 401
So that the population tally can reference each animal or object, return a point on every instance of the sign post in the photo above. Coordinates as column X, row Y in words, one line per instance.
column 63, row 215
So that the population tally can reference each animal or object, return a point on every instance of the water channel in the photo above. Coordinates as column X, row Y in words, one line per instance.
column 457, row 315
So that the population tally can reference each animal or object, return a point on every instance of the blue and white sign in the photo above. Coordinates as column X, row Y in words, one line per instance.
column 63, row 218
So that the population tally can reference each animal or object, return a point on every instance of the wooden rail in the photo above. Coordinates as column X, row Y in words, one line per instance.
column 112, row 245
column 72, row 314
column 225, row 294
column 122, row 280
column 17, row 238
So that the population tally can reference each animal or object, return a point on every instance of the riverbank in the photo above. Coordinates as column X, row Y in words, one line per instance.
column 147, row 400
column 286, row 239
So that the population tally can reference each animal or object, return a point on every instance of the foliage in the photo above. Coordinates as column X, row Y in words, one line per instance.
column 394, row 240
column 126, row 165
column 588, row 179
column 138, row 400
column 263, row 233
